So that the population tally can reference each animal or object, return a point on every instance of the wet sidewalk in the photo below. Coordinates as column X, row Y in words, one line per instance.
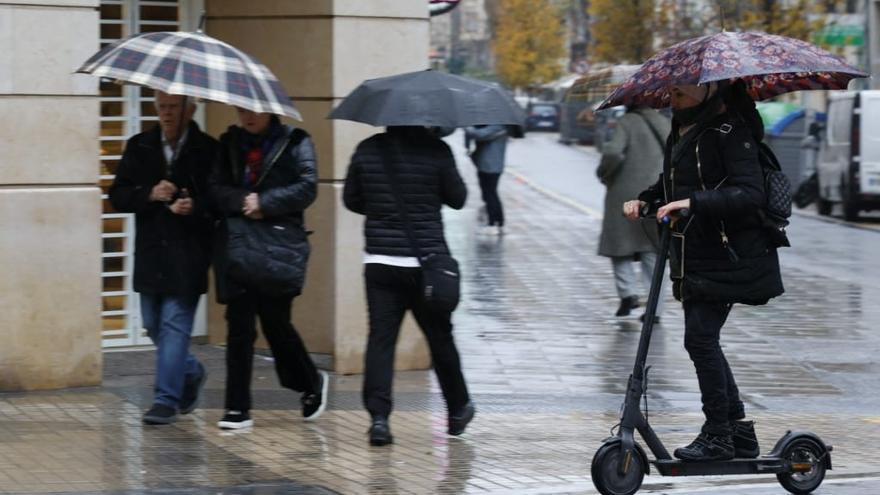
column 546, row 363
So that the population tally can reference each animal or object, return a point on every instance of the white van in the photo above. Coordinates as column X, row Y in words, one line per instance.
column 848, row 168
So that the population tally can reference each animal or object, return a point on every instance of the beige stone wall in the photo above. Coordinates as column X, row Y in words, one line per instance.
column 50, row 226
column 320, row 50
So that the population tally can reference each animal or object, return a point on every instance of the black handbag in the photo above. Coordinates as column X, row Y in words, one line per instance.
column 269, row 256
column 441, row 279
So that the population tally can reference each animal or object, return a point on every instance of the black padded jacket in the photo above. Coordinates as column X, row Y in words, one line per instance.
column 428, row 178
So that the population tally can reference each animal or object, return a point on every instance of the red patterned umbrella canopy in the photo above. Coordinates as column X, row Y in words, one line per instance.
column 769, row 64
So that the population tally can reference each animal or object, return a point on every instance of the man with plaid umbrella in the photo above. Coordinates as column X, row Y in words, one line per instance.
column 162, row 179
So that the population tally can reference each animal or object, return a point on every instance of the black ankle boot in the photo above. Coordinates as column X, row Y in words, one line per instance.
column 707, row 447
column 627, row 304
column 745, row 442
column 380, row 432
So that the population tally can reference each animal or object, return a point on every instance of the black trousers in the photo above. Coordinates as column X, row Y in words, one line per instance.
column 489, row 190
column 391, row 291
column 294, row 366
column 719, row 394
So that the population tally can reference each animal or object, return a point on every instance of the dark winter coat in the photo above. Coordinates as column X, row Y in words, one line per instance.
column 172, row 252
column 286, row 187
column 725, row 255
column 427, row 176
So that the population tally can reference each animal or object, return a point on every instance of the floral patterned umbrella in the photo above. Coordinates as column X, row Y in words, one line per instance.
column 769, row 64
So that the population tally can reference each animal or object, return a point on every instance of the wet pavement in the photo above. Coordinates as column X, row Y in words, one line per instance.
column 545, row 360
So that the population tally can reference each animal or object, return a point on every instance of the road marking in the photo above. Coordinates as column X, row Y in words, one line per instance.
column 809, row 213
column 556, row 196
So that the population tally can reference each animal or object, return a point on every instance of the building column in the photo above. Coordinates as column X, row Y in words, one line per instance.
column 50, row 206
column 321, row 50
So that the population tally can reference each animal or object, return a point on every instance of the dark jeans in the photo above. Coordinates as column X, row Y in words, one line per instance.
column 702, row 332
column 294, row 366
column 489, row 190
column 391, row 291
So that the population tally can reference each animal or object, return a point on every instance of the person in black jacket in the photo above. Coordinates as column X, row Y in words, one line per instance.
column 425, row 171
column 162, row 179
column 720, row 255
column 264, row 177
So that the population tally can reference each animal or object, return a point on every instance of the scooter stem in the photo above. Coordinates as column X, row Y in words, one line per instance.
column 651, row 307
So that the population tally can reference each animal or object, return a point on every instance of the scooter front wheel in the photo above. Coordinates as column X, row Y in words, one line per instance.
column 606, row 471
column 807, row 458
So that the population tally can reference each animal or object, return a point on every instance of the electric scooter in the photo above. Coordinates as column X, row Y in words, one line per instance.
column 799, row 459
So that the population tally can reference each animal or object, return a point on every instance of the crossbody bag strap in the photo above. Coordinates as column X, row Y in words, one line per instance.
column 274, row 159
column 386, row 145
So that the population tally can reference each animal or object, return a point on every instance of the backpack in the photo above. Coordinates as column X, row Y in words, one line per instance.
column 777, row 188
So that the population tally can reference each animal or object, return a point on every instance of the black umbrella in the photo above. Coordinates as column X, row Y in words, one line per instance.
column 429, row 98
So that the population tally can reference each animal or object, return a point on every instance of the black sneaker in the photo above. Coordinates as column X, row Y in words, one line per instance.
column 380, row 432
column 160, row 414
column 314, row 404
column 192, row 390
column 235, row 420
column 627, row 304
column 745, row 442
column 458, row 422
column 707, row 447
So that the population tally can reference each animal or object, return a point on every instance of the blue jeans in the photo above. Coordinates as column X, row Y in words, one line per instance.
column 169, row 322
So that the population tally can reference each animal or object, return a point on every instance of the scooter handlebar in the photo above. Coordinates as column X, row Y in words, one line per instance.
column 646, row 213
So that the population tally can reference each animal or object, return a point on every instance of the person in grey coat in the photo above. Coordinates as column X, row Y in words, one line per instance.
column 491, row 146
column 631, row 160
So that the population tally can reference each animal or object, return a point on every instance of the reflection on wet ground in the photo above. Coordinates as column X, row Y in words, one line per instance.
column 546, row 362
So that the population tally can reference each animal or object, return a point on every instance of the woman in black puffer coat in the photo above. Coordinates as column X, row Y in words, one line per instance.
column 719, row 255
column 263, row 180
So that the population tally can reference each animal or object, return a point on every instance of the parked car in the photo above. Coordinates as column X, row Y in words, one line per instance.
column 542, row 115
column 848, row 169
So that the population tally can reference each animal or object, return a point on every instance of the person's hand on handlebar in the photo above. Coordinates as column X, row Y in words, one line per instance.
column 669, row 209
column 632, row 209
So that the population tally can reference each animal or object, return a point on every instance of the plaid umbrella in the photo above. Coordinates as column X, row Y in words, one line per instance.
column 192, row 64
column 769, row 64
column 597, row 84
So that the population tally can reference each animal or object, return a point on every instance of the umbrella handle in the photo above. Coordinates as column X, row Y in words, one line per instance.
column 201, row 28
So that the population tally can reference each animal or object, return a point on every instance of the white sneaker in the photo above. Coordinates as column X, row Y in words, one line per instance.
column 499, row 230
column 235, row 420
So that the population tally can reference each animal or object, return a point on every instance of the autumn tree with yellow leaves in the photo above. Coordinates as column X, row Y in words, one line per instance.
column 630, row 31
column 529, row 42
column 622, row 31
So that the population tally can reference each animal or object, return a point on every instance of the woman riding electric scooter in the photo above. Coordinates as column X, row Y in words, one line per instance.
column 720, row 254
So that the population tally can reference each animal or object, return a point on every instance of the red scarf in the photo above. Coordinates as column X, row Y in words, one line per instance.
column 253, row 165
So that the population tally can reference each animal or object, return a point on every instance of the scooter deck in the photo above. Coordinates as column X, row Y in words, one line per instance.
column 761, row 465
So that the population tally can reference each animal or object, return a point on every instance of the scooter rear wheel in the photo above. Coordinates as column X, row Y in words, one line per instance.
column 605, row 471
column 802, row 451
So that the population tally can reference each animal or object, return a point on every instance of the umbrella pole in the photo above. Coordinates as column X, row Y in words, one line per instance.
column 180, row 131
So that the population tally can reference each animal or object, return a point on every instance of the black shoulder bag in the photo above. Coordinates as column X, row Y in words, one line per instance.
column 268, row 255
column 441, row 280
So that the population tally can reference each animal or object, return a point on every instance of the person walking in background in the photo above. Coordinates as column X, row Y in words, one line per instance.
column 263, row 180
column 425, row 174
column 488, row 156
column 162, row 179
column 631, row 160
